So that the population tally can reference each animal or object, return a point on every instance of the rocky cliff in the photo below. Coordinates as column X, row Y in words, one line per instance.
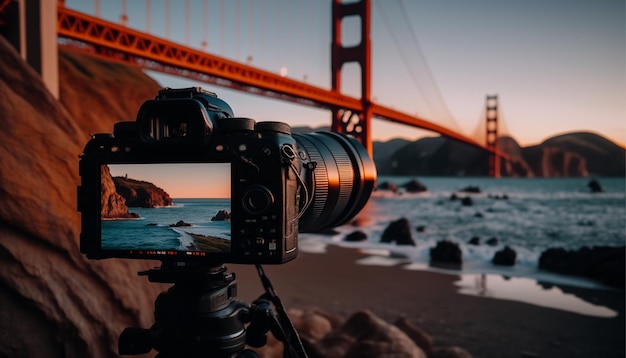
column 112, row 204
column 141, row 194
column 53, row 301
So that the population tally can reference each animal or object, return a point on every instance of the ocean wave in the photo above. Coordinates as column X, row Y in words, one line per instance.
column 185, row 240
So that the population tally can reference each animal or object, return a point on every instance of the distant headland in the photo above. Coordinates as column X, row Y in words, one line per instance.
column 576, row 154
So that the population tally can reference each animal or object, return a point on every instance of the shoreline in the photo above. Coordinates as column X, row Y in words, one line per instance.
column 476, row 259
column 485, row 326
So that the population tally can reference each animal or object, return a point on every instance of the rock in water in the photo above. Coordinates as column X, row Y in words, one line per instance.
column 603, row 263
column 446, row 252
column 505, row 257
column 398, row 231
column 595, row 186
column 222, row 215
column 414, row 186
column 356, row 236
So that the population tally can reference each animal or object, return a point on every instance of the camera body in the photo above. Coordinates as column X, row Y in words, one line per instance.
column 192, row 128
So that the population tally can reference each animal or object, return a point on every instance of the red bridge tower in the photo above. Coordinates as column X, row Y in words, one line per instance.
column 492, row 135
column 347, row 121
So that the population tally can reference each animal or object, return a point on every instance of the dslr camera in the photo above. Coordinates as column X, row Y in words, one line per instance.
column 190, row 182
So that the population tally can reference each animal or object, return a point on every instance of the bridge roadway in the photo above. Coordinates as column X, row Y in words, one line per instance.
column 120, row 43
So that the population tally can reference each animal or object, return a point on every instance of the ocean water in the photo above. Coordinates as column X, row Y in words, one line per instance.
column 152, row 231
column 528, row 215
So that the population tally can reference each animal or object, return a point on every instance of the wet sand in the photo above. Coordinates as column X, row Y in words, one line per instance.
column 486, row 327
column 209, row 243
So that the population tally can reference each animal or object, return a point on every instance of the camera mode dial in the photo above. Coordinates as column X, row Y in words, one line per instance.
column 257, row 199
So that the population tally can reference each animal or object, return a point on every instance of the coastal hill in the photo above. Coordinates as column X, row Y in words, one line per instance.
column 141, row 194
column 576, row 154
column 120, row 193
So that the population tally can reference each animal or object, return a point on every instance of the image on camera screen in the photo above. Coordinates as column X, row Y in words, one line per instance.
column 166, row 207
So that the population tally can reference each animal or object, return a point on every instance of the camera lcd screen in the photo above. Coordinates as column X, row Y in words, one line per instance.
column 166, row 209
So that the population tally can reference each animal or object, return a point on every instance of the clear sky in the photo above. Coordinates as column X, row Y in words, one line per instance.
column 205, row 180
column 557, row 66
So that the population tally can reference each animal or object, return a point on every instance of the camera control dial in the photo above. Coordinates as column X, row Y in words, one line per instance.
column 257, row 199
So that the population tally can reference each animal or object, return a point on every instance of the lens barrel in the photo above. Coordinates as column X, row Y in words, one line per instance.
column 341, row 182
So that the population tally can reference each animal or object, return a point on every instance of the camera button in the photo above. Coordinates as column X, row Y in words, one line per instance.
column 245, row 243
column 257, row 199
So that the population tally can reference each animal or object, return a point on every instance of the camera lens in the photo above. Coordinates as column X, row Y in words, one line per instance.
column 341, row 183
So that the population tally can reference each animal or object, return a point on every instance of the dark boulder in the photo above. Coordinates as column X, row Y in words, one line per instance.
column 498, row 197
column 505, row 257
column 467, row 201
column 471, row 189
column 446, row 252
column 180, row 223
column 389, row 186
column 398, row 231
column 474, row 241
column 356, row 236
column 595, row 186
column 221, row 215
column 602, row 263
column 414, row 186
column 492, row 241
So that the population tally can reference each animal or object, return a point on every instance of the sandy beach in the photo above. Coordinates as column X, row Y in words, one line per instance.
column 486, row 327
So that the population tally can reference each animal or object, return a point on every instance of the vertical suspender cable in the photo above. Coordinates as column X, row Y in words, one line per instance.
column 237, row 30
column 263, row 31
column 148, row 16
column 205, row 13
column 222, row 27
column 250, row 32
column 187, row 22
column 429, row 74
column 167, row 19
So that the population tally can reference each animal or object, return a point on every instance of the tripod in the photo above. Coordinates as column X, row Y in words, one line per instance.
column 200, row 316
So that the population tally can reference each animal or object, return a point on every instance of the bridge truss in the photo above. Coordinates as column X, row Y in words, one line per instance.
column 119, row 43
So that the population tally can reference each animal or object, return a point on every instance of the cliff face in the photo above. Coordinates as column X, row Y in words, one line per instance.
column 54, row 302
column 141, row 194
column 113, row 205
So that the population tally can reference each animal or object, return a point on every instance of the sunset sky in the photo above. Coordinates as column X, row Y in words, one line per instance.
column 557, row 65
column 181, row 180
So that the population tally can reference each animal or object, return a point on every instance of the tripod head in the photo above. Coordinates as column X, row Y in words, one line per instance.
column 200, row 316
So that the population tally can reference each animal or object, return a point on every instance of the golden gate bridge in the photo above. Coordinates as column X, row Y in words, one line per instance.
column 350, row 115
